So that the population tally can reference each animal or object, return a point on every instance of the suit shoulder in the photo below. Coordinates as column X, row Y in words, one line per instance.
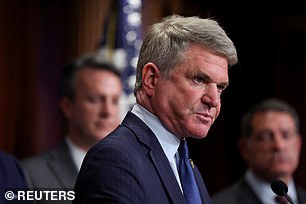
column 230, row 190
column 119, row 147
column 227, row 195
column 8, row 161
column 11, row 171
column 42, row 158
column 122, row 137
column 301, row 194
column 5, row 157
column 239, row 192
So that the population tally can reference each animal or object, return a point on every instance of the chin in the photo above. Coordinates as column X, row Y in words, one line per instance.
column 102, row 137
column 199, row 136
column 203, row 133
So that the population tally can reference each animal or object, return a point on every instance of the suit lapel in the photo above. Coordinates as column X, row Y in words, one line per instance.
column 62, row 166
column 166, row 174
column 247, row 193
column 301, row 194
column 158, row 157
column 202, row 188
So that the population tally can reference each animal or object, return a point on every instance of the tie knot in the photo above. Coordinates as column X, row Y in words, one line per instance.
column 183, row 150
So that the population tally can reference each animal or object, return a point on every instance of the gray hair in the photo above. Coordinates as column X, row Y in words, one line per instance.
column 166, row 41
column 272, row 104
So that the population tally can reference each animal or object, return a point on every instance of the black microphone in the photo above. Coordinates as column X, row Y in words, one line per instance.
column 281, row 189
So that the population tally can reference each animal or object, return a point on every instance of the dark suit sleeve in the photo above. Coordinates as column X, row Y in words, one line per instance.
column 109, row 176
column 11, row 176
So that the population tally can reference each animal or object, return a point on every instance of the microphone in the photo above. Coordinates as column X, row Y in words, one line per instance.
column 281, row 189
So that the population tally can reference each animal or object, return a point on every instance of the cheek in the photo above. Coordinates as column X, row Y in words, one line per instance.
column 218, row 108
column 259, row 152
column 92, row 111
column 115, row 109
column 180, row 91
column 87, row 110
column 295, row 152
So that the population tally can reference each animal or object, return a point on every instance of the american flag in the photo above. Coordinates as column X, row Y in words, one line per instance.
column 121, row 41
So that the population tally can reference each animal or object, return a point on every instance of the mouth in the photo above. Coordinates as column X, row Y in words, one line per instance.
column 280, row 158
column 103, row 124
column 205, row 118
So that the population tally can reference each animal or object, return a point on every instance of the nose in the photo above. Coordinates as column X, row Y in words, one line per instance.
column 211, row 97
column 278, row 141
column 106, row 108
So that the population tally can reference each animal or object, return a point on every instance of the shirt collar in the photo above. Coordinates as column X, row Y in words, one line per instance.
column 167, row 140
column 263, row 189
column 77, row 153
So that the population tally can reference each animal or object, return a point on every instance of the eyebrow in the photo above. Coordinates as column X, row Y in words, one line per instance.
column 208, row 79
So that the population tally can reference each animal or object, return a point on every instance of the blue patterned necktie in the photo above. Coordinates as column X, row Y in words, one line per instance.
column 189, row 185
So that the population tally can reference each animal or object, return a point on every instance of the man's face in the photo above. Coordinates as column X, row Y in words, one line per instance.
column 189, row 102
column 94, row 112
column 274, row 147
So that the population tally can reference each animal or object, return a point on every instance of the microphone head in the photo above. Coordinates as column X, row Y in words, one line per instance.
column 279, row 187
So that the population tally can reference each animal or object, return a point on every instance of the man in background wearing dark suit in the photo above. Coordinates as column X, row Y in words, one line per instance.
column 181, row 73
column 89, row 99
column 270, row 143
column 11, row 178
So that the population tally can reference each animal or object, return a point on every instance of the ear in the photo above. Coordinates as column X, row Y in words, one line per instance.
column 65, row 105
column 150, row 76
column 243, row 148
column 299, row 142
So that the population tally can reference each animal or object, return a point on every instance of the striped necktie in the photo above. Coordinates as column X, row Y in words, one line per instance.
column 189, row 185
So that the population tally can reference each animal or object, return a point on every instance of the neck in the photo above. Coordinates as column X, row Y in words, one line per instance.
column 80, row 143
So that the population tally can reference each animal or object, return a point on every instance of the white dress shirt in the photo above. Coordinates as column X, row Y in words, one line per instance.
column 168, row 141
column 77, row 153
column 263, row 189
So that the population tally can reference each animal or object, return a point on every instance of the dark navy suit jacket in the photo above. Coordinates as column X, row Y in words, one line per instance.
column 129, row 166
column 11, row 176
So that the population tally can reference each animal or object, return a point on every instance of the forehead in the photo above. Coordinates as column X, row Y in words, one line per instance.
column 199, row 59
column 89, row 77
column 88, row 73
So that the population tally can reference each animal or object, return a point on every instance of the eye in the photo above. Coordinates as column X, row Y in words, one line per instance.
column 115, row 101
column 199, row 79
column 221, row 87
column 264, row 136
column 93, row 99
column 287, row 134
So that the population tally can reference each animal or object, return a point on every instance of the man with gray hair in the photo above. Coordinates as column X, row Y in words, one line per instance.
column 270, row 143
column 182, row 71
